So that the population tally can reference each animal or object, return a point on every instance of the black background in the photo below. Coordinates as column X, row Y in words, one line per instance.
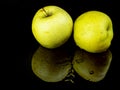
column 19, row 43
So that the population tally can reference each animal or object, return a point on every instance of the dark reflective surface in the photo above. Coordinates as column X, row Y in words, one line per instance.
column 23, row 45
column 51, row 65
column 92, row 66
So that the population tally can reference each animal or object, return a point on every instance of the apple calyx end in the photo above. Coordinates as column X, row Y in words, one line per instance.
column 108, row 28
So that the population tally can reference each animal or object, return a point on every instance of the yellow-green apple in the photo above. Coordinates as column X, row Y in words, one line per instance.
column 51, row 65
column 52, row 26
column 92, row 66
column 93, row 31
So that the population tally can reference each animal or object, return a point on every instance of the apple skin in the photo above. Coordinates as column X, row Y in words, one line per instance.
column 93, row 31
column 52, row 26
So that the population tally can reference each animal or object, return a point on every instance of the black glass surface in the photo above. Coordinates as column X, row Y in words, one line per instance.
column 23, row 44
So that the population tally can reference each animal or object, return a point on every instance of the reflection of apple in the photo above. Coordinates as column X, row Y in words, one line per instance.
column 93, row 31
column 92, row 66
column 52, row 26
column 51, row 65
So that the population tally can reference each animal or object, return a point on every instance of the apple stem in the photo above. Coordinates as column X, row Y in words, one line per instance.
column 45, row 12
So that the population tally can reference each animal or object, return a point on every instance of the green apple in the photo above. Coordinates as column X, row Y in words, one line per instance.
column 52, row 26
column 92, row 66
column 51, row 65
column 93, row 31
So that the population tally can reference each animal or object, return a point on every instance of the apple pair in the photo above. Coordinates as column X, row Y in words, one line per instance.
column 52, row 26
